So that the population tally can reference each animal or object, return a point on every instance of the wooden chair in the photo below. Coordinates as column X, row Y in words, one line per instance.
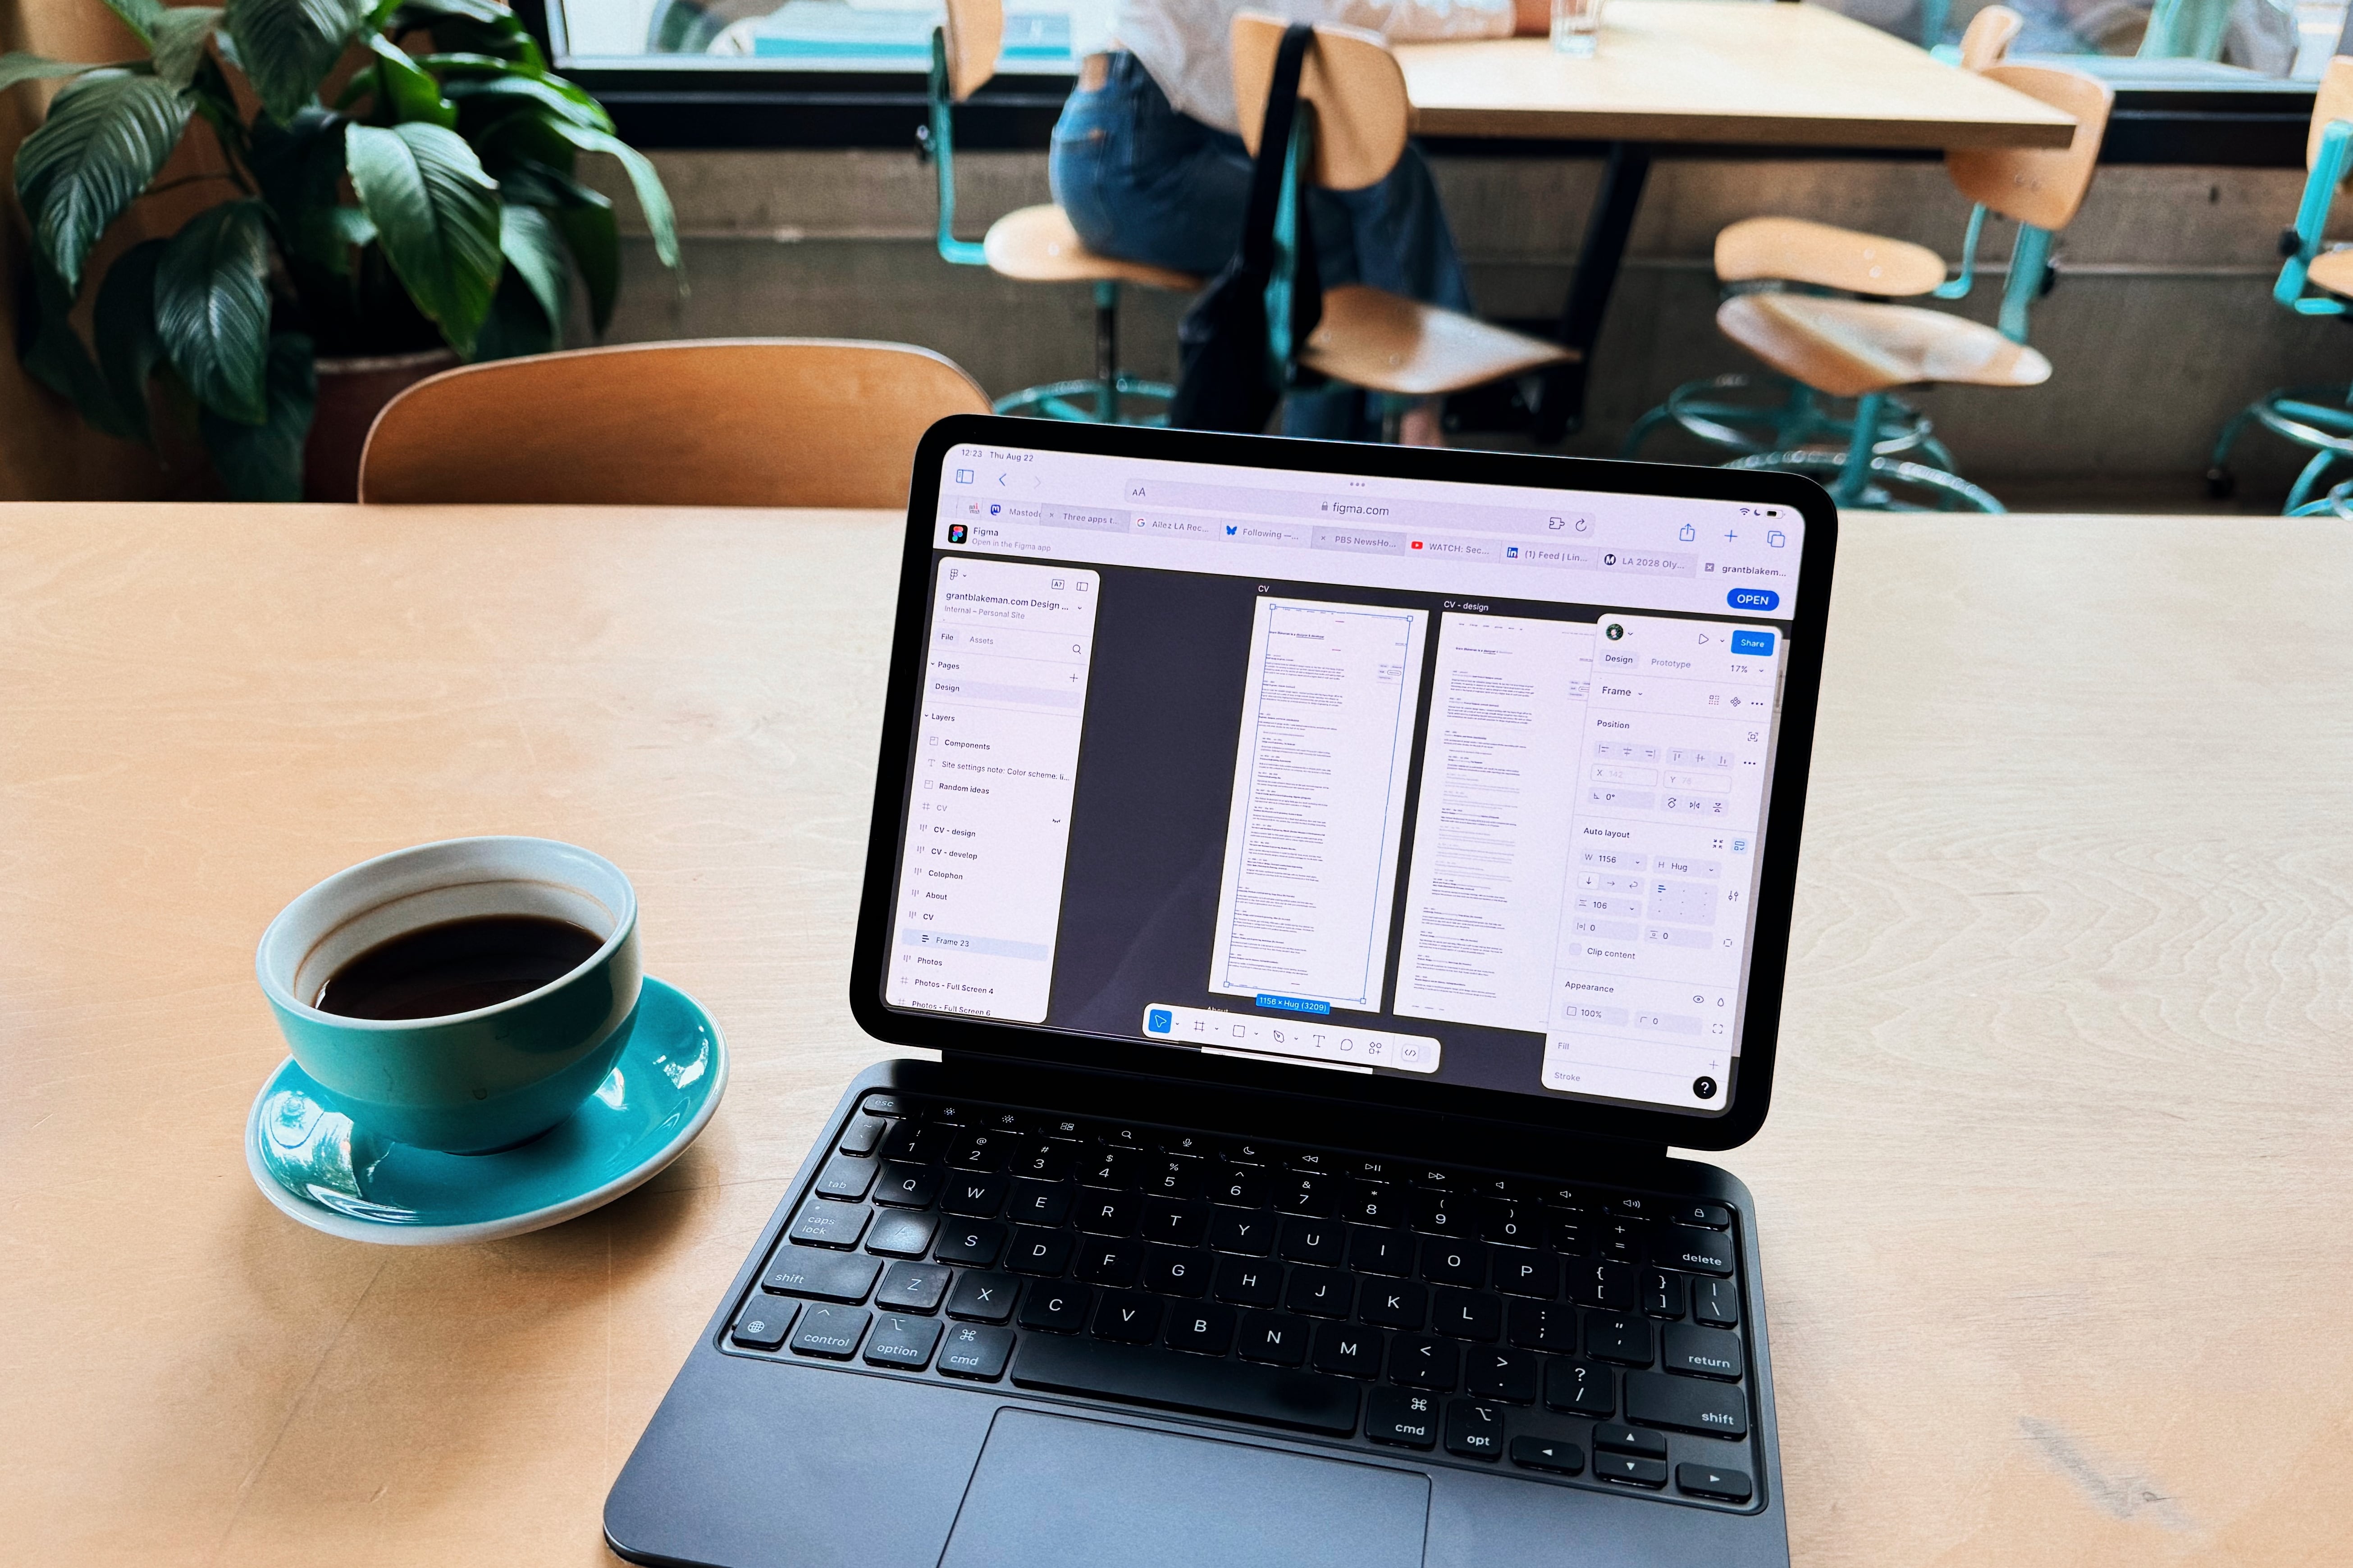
column 1349, row 133
column 725, row 422
column 1986, row 40
column 1036, row 244
column 2315, row 280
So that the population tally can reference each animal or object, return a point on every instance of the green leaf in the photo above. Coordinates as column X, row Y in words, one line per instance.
column 263, row 460
column 328, row 236
column 17, row 66
column 463, row 64
column 53, row 355
column 534, row 250
column 129, row 344
column 106, row 136
column 299, row 165
column 180, row 36
column 660, row 222
column 436, row 218
column 212, row 307
column 288, row 45
column 462, row 27
column 586, row 220
column 516, row 326
column 414, row 95
column 494, row 93
column 139, row 16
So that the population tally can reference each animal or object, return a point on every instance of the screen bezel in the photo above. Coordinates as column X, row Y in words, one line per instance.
column 1801, row 689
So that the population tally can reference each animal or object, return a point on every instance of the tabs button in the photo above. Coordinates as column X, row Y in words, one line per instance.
column 1753, row 599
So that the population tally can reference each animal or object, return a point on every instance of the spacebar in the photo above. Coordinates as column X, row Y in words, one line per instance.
column 1178, row 1382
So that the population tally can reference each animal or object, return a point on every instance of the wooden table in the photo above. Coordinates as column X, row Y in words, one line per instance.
column 2053, row 1194
column 1716, row 72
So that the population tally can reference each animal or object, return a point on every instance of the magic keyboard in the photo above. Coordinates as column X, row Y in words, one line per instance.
column 1573, row 1334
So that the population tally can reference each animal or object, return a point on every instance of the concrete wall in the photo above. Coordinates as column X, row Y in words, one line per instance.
column 2160, row 328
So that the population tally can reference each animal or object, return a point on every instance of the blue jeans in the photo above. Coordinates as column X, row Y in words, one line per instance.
column 1143, row 182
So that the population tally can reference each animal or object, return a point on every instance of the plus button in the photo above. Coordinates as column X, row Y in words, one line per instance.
column 1729, row 534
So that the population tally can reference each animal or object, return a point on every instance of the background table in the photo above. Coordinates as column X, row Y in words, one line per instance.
column 1728, row 73
column 2053, row 1196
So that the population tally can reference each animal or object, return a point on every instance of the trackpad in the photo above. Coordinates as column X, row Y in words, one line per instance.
column 1055, row 1491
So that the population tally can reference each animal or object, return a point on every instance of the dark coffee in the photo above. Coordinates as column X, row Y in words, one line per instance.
column 456, row 967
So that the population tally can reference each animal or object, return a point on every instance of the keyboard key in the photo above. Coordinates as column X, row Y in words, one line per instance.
column 908, row 1185
column 1191, row 1144
column 975, row 1352
column 1113, row 1170
column 1508, row 1375
column 1175, row 1176
column 1173, row 1380
column 1394, row 1304
column 1384, row 1252
column 886, row 1105
column 1321, row 1292
column 1624, row 1241
column 863, row 1135
column 1248, row 1283
column 1038, row 1203
column 1176, row 1223
column 1312, row 1160
column 1240, row 1187
column 1110, row 1262
column 1523, row 1271
column 1319, row 1197
column 1249, row 1232
column 1036, row 1251
column 824, row 1222
column 1701, row 1353
column 902, row 1341
column 1432, row 1178
column 1474, row 1430
column 1108, row 1213
column 913, row 1286
column 1686, row 1404
column 1569, row 1237
column 963, row 1115
column 1636, row 1205
column 1348, row 1351
column 973, row 1195
column 983, row 1298
column 1543, row 1325
column 1442, row 1214
column 1511, row 1224
column 1622, row 1439
column 1466, row 1314
column 1405, row 1419
column 1712, row 1217
column 1446, row 1262
column 1663, row 1293
column 846, row 1176
column 1057, row 1308
column 1178, row 1270
column 972, row 1244
column 1599, row 1282
column 1274, row 1338
column 916, row 1143
column 1419, row 1360
column 898, row 1233
column 1614, row 1337
column 1685, row 1247
column 832, row 1332
column 1548, row 1454
column 1121, row 1138
column 1706, row 1480
column 1715, row 1302
column 1127, row 1317
column 1384, row 1206
column 981, row 1151
column 1204, row 1330
column 1577, row 1200
column 1042, row 1160
column 1630, row 1469
column 828, row 1276
column 1581, row 1387
column 1249, row 1151
column 1315, row 1240
column 1380, row 1169
column 764, row 1322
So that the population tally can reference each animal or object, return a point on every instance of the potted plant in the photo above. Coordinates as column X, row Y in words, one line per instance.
column 398, row 177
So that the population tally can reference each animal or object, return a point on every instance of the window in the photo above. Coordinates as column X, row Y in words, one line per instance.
column 1042, row 36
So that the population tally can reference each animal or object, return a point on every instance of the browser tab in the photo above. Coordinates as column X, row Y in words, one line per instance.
column 1369, row 541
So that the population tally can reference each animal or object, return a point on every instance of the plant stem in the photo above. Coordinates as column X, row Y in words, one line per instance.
column 184, row 180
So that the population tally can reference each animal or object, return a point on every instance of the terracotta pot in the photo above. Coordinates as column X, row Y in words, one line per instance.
column 351, row 392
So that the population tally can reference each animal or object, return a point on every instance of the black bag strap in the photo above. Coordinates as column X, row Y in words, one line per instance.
column 1274, row 148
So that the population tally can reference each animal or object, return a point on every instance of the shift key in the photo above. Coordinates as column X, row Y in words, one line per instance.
column 1686, row 1404
column 827, row 1276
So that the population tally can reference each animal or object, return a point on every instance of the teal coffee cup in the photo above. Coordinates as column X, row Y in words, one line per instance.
column 472, row 1082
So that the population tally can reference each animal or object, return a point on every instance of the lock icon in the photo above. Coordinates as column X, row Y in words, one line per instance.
column 1687, row 533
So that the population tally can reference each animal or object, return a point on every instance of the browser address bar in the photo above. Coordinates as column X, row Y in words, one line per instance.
column 1436, row 517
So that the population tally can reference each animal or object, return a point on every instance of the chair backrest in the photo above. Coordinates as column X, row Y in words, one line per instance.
column 1352, row 81
column 2327, row 156
column 1989, row 36
column 975, row 34
column 2035, row 185
column 740, row 422
column 2331, row 101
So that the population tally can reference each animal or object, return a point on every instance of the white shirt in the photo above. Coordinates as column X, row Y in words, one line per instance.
column 1186, row 46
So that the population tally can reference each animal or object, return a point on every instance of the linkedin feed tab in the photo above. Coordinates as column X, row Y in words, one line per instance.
column 1465, row 781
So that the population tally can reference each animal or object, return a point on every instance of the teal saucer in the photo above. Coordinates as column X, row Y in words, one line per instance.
column 314, row 1165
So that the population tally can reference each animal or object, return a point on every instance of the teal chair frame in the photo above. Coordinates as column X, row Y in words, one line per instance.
column 1107, row 397
column 2318, row 418
column 1792, row 428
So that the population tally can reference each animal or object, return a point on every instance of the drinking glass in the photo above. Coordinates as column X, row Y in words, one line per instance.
column 1576, row 26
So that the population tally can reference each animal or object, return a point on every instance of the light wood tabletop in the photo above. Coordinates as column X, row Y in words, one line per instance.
column 1721, row 71
column 2051, row 1197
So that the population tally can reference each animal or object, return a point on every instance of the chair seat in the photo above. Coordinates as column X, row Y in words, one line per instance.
column 1850, row 347
column 1038, row 245
column 2333, row 270
column 1798, row 251
column 1386, row 343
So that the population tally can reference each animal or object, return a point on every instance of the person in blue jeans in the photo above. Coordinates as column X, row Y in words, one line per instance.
column 1150, row 163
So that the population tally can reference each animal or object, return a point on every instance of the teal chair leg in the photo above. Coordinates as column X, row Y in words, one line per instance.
column 1110, row 397
column 1732, row 413
column 2319, row 419
column 2337, row 502
column 1861, row 477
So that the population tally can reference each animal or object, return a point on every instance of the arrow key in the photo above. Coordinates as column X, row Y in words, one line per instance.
column 1547, row 1453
